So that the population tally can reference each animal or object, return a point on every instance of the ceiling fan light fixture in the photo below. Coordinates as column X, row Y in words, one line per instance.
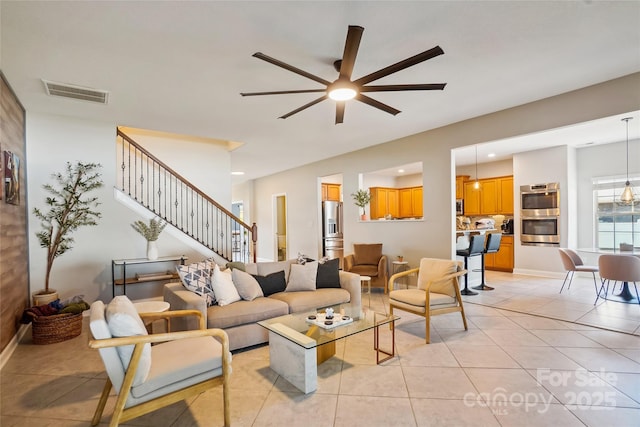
column 342, row 90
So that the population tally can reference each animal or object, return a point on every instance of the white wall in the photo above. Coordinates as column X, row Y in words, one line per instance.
column 487, row 169
column 86, row 269
column 527, row 170
column 434, row 235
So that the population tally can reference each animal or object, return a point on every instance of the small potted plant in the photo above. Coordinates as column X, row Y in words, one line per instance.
column 362, row 199
column 150, row 232
column 68, row 211
column 400, row 258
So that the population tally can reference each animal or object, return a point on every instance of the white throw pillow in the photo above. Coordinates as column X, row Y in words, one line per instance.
column 247, row 286
column 197, row 278
column 223, row 287
column 124, row 321
column 302, row 277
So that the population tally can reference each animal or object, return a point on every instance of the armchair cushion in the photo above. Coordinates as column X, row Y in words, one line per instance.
column 418, row 298
column 433, row 269
column 367, row 253
column 123, row 321
column 200, row 358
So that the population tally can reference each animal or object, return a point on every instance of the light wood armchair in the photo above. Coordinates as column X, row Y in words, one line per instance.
column 182, row 364
column 437, row 292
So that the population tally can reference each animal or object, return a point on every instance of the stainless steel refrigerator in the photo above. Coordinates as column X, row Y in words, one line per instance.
column 332, row 241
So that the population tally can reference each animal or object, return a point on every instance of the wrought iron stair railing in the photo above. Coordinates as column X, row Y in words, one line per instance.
column 154, row 185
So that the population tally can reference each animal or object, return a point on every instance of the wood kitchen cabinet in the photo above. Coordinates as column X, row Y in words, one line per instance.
column 471, row 199
column 384, row 201
column 495, row 196
column 503, row 259
column 410, row 200
column 505, row 195
column 460, row 179
column 331, row 192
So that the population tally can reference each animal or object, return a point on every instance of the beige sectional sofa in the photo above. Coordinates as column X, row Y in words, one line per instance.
column 240, row 318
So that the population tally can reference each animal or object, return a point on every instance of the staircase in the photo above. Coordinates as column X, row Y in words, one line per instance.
column 159, row 189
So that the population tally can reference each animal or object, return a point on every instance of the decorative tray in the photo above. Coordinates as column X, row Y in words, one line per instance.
column 320, row 320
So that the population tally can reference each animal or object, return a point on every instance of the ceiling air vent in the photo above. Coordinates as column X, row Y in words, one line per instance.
column 76, row 92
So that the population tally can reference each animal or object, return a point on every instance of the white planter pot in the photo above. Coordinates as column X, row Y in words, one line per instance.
column 41, row 298
column 152, row 250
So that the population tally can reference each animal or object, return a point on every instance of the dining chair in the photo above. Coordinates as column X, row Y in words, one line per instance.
column 572, row 263
column 619, row 268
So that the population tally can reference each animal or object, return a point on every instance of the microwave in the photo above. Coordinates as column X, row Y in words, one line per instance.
column 459, row 207
column 540, row 200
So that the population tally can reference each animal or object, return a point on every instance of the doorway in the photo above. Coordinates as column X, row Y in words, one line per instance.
column 280, row 226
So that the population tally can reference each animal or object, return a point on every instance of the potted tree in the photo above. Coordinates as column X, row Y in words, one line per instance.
column 68, row 210
column 362, row 199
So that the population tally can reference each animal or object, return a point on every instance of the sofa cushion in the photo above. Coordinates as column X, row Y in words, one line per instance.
column 367, row 253
column 266, row 268
column 272, row 283
column 305, row 301
column 328, row 274
column 124, row 321
column 223, row 287
column 302, row 277
column 365, row 270
column 197, row 278
column 237, row 265
column 247, row 286
column 243, row 312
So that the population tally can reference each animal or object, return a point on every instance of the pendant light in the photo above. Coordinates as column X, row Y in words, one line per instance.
column 627, row 195
column 476, row 184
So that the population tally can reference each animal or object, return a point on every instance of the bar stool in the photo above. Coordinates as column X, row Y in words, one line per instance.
column 476, row 248
column 493, row 246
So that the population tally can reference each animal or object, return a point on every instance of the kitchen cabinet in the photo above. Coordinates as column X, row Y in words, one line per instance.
column 331, row 192
column 460, row 179
column 503, row 259
column 384, row 201
column 410, row 199
column 471, row 199
column 495, row 196
column 505, row 193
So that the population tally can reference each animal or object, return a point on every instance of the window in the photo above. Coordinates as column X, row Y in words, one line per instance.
column 616, row 223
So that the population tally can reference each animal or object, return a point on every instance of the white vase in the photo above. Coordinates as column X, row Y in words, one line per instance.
column 152, row 250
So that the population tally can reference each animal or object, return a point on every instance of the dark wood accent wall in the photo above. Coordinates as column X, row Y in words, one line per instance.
column 14, row 254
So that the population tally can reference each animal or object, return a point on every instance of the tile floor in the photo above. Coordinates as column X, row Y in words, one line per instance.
column 509, row 369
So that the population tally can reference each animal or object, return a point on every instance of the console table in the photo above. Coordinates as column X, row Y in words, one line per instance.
column 119, row 268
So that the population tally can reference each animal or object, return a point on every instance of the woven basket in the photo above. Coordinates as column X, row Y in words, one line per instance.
column 56, row 328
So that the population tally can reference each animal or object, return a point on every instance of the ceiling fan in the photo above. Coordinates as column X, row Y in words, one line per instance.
column 343, row 88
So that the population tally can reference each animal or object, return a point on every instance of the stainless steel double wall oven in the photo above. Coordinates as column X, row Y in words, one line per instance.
column 540, row 214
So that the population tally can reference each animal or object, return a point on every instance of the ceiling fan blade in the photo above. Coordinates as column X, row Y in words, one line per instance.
column 393, row 88
column 351, row 45
column 398, row 66
column 291, row 68
column 282, row 92
column 304, row 107
column 377, row 104
column 339, row 111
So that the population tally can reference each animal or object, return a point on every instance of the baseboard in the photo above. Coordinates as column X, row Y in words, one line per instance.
column 13, row 344
column 540, row 273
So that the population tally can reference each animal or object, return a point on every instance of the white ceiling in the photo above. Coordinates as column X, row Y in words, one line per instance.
column 179, row 66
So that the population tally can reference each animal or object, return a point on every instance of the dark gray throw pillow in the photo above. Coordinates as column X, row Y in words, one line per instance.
column 328, row 275
column 272, row 283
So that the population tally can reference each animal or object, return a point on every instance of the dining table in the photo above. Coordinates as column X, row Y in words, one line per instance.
column 625, row 294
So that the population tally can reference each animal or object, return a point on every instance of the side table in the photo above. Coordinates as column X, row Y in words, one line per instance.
column 367, row 279
column 398, row 267
column 153, row 307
